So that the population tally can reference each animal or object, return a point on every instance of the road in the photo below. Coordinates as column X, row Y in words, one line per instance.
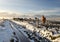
column 20, row 36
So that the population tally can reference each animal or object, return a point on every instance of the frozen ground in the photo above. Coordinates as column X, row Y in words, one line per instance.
column 17, row 31
column 5, row 32
column 9, row 33
column 47, row 34
column 32, row 32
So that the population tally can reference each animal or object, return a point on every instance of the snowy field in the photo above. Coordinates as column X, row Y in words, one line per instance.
column 9, row 33
column 42, row 34
column 18, row 31
column 5, row 32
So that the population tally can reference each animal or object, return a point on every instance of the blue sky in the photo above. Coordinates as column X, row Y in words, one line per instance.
column 31, row 6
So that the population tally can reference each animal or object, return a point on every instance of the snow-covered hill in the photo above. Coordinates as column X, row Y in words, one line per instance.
column 50, row 34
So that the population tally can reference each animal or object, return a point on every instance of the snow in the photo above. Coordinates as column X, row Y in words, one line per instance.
column 56, row 40
column 42, row 32
column 32, row 29
column 5, row 33
column 33, row 33
column 28, row 26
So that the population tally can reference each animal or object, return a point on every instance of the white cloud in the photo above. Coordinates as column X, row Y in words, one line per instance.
column 7, row 13
column 10, row 12
column 44, row 12
column 30, row 12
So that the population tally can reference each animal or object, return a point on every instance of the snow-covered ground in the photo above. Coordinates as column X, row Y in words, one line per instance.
column 9, row 33
column 5, row 32
column 32, row 32
column 52, row 34
column 10, row 29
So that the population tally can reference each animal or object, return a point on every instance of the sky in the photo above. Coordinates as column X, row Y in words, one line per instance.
column 41, row 7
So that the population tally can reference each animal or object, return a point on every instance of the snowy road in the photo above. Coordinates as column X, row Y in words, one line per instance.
column 19, row 33
column 10, row 31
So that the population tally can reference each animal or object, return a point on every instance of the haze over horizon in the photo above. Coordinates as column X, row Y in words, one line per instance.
column 30, row 7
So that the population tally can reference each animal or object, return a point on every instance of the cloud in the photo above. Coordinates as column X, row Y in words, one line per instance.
column 44, row 12
column 30, row 12
column 6, row 13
